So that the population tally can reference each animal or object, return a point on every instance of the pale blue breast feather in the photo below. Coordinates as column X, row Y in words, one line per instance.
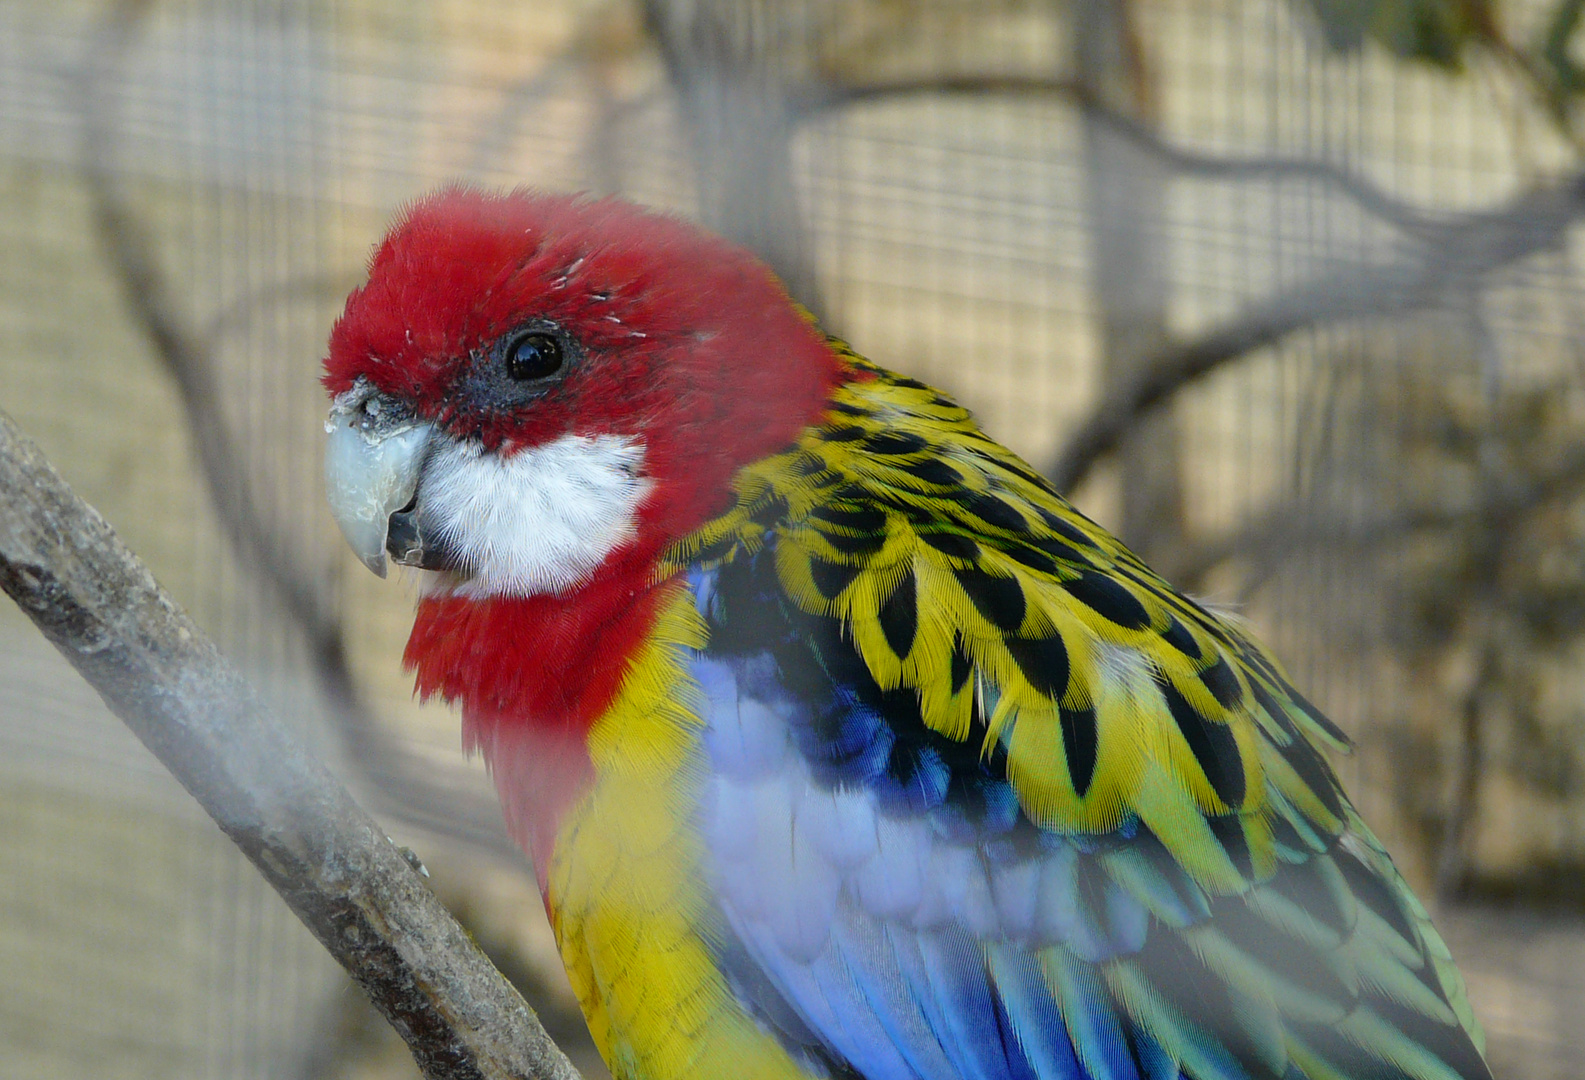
column 905, row 947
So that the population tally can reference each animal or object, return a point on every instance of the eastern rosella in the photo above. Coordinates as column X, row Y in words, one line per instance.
column 842, row 744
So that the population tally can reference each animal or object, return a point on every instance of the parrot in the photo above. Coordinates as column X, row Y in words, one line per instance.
column 841, row 743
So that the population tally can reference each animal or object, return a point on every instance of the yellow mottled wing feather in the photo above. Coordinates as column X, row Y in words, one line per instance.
column 963, row 576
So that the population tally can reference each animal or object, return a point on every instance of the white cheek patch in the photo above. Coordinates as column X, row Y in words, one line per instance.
column 536, row 521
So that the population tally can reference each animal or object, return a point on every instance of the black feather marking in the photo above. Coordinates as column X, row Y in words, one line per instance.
column 932, row 471
column 1369, row 889
column 716, row 549
column 899, row 615
column 864, row 736
column 995, row 512
column 961, row 664
column 911, row 384
column 1278, row 714
column 1450, row 1042
column 1057, row 549
column 1229, row 832
column 1029, row 476
column 848, row 409
column 1044, row 662
column 844, row 433
column 895, row 442
column 754, row 620
column 829, row 577
column 807, row 464
column 1181, row 638
column 769, row 513
column 1035, row 560
column 999, row 599
column 1320, row 718
column 1304, row 887
column 1178, row 974
column 1304, row 758
column 1223, row 684
column 1287, row 956
column 864, row 519
column 1067, row 530
column 1211, row 743
column 1283, row 834
column 958, row 547
column 1259, row 663
column 1081, row 744
column 1109, row 599
column 861, row 545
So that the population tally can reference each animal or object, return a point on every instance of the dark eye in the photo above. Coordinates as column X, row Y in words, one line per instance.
column 533, row 356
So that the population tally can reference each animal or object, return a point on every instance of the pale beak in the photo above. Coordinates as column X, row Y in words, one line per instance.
column 374, row 456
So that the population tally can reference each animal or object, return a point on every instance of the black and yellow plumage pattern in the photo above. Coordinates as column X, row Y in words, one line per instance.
column 1154, row 733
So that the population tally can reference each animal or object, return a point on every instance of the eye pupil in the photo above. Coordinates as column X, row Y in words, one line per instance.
column 533, row 356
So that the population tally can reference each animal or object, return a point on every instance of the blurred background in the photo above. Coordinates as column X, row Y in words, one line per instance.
column 1287, row 292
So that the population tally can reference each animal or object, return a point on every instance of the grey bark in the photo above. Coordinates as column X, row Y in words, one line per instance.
column 330, row 861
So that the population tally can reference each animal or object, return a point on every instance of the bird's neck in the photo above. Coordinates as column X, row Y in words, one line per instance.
column 532, row 675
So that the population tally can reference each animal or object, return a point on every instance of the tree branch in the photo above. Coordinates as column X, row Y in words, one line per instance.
column 1177, row 159
column 1287, row 531
column 1459, row 251
column 1442, row 250
column 741, row 119
column 330, row 861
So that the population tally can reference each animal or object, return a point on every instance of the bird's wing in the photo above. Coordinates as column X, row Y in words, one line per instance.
column 988, row 799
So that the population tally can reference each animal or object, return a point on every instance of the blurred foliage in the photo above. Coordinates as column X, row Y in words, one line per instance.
column 1447, row 33
column 1438, row 32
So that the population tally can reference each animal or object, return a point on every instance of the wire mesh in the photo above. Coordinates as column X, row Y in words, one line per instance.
column 941, row 175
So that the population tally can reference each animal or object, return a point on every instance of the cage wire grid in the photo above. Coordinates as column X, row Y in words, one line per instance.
column 265, row 145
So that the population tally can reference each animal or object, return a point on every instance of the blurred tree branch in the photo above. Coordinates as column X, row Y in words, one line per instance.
column 1439, row 252
column 1126, row 190
column 742, row 118
column 1177, row 159
column 402, row 786
column 332, row 863
column 1289, row 531
column 247, row 308
column 1458, row 251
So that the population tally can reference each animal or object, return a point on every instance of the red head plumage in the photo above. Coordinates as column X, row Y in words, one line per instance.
column 688, row 342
